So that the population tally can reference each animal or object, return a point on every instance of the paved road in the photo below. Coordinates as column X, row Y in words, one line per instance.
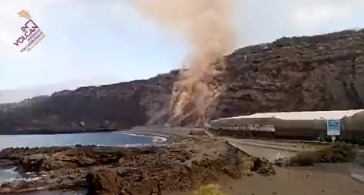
column 273, row 150
column 270, row 149
column 357, row 167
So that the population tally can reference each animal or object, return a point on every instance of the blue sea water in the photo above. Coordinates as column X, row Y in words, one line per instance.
column 104, row 139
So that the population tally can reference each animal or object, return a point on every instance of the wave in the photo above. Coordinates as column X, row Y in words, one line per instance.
column 122, row 145
column 11, row 175
column 6, row 174
column 158, row 140
column 21, row 179
column 155, row 139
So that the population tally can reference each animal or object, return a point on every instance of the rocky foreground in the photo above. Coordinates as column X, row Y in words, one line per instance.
column 324, row 72
column 183, row 166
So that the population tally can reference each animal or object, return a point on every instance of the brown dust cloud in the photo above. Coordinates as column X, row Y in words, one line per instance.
column 211, row 34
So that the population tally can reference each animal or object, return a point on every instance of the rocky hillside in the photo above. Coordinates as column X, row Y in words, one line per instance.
column 323, row 72
column 117, row 106
column 302, row 73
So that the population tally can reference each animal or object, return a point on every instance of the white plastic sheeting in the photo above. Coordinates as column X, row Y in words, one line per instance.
column 311, row 115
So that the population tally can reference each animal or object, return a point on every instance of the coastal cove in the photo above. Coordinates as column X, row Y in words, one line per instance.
column 115, row 138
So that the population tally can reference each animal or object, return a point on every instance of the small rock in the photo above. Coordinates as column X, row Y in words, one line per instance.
column 121, row 161
column 263, row 167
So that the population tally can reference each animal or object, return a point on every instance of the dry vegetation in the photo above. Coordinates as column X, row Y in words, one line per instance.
column 337, row 153
column 211, row 189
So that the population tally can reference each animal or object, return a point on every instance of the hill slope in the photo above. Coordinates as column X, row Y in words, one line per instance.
column 304, row 73
column 323, row 72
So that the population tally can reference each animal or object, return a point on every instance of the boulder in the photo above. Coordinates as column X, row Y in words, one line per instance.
column 32, row 163
column 104, row 181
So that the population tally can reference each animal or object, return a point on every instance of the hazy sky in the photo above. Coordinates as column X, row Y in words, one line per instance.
column 103, row 41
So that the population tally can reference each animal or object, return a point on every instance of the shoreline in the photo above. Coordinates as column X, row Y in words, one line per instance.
column 156, row 140
column 151, row 139
column 68, row 167
column 183, row 157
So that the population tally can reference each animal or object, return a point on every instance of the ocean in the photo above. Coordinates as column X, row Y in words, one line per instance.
column 101, row 139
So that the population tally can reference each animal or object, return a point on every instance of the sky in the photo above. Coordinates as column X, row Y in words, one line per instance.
column 94, row 42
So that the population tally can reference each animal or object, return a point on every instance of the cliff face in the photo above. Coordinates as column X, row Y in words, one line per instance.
column 308, row 73
column 291, row 74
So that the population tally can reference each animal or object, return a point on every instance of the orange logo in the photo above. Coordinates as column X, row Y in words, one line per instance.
column 24, row 14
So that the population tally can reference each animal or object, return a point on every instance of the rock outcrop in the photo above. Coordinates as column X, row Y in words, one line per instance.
column 322, row 72
column 133, row 171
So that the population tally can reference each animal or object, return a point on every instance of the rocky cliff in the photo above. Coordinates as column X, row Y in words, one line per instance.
column 322, row 72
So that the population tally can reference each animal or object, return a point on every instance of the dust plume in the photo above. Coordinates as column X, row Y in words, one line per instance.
column 210, row 31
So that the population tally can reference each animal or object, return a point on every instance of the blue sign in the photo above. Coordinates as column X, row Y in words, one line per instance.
column 333, row 127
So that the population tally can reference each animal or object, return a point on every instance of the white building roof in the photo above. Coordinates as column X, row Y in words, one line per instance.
column 335, row 114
